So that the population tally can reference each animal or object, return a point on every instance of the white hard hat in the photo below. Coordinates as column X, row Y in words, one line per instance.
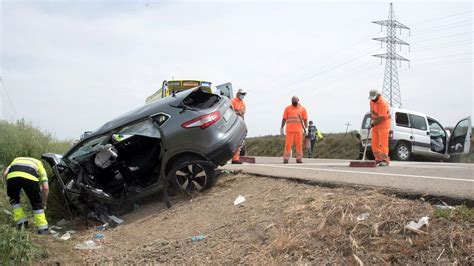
column 241, row 91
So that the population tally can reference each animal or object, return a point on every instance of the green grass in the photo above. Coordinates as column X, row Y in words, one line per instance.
column 461, row 213
column 332, row 146
column 21, row 138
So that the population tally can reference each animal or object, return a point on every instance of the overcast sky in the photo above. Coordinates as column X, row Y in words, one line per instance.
column 70, row 67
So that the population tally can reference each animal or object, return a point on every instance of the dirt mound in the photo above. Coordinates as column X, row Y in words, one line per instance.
column 285, row 222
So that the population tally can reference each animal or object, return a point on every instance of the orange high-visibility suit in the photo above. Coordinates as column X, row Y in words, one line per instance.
column 239, row 108
column 295, row 117
column 380, row 132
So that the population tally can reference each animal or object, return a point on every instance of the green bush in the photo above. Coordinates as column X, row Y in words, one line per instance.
column 332, row 146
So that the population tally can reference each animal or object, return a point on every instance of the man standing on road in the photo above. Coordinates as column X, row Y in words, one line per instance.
column 28, row 174
column 239, row 107
column 381, row 118
column 296, row 119
column 312, row 138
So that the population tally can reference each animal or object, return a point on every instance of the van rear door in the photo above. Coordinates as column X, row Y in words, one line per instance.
column 421, row 134
column 460, row 140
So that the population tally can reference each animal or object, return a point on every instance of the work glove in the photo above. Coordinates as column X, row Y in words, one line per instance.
column 282, row 131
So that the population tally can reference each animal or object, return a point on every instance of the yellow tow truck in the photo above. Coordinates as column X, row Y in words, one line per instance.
column 172, row 86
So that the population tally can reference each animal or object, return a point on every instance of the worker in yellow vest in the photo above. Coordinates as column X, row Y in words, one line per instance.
column 28, row 174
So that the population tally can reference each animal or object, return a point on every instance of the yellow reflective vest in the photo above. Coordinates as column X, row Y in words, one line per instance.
column 29, row 168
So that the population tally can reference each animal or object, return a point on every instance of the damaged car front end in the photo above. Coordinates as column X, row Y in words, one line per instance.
column 178, row 140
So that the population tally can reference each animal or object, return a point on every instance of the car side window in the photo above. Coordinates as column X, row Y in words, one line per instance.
column 366, row 121
column 461, row 128
column 436, row 130
column 144, row 128
column 402, row 119
column 418, row 122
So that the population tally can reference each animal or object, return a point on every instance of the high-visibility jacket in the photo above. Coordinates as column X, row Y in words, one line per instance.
column 238, row 105
column 381, row 108
column 29, row 168
column 295, row 117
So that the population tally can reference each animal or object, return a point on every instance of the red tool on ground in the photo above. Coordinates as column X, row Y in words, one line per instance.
column 364, row 162
column 246, row 159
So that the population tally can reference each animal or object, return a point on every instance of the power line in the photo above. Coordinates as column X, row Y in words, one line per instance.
column 8, row 97
column 442, row 17
column 441, row 37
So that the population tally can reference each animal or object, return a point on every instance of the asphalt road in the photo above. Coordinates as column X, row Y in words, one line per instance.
column 454, row 180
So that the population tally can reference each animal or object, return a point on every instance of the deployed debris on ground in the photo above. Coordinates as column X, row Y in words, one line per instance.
column 287, row 223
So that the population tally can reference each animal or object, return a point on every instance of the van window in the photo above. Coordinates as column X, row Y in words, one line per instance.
column 418, row 122
column 366, row 121
column 402, row 119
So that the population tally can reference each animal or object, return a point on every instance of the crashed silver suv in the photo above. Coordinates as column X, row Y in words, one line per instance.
column 180, row 139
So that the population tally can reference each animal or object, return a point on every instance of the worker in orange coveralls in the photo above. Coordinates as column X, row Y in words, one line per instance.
column 296, row 119
column 239, row 107
column 381, row 118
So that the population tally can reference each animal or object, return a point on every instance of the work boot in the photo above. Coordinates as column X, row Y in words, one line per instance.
column 382, row 164
column 43, row 232
column 299, row 161
column 23, row 225
column 285, row 161
column 236, row 162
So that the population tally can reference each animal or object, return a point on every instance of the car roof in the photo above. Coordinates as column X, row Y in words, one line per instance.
column 140, row 112
column 403, row 110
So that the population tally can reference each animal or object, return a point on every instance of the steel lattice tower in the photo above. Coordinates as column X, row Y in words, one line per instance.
column 391, row 86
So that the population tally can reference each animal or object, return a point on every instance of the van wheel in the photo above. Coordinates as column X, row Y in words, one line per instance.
column 402, row 152
column 192, row 176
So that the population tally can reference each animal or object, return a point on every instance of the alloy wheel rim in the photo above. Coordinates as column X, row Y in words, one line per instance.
column 403, row 152
column 192, row 177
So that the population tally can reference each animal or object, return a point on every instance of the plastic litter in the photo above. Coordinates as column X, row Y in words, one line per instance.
column 99, row 235
column 422, row 222
column 363, row 216
column 115, row 219
column 240, row 199
column 89, row 244
column 54, row 227
column 71, row 232
column 102, row 227
column 65, row 237
column 7, row 212
column 445, row 207
column 198, row 238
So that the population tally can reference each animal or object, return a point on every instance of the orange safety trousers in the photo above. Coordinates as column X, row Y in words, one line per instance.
column 236, row 156
column 293, row 138
column 380, row 143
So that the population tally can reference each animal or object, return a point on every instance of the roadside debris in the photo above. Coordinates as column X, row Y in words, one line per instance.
column 198, row 238
column 102, row 227
column 62, row 222
column 445, row 207
column 65, row 237
column 86, row 245
column 240, row 199
column 115, row 219
column 415, row 227
column 55, row 227
column 363, row 217
column 99, row 235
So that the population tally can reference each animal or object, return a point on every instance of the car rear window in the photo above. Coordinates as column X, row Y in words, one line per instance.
column 201, row 99
column 418, row 122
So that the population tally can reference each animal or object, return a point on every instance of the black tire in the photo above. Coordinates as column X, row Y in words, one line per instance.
column 193, row 177
column 402, row 152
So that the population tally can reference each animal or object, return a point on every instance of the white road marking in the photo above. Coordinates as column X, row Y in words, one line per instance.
column 362, row 172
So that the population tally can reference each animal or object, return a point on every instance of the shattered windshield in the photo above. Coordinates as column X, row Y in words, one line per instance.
column 87, row 147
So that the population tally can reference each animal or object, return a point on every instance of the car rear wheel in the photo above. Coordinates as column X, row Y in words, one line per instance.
column 191, row 176
column 402, row 152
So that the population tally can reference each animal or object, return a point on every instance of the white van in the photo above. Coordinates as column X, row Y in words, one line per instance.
column 413, row 133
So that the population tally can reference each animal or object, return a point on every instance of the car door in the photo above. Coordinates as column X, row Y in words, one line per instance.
column 421, row 135
column 460, row 140
column 402, row 129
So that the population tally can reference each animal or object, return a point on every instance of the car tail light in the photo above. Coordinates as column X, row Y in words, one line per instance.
column 390, row 134
column 204, row 121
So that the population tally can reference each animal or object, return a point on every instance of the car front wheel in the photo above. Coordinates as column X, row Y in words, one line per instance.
column 402, row 152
